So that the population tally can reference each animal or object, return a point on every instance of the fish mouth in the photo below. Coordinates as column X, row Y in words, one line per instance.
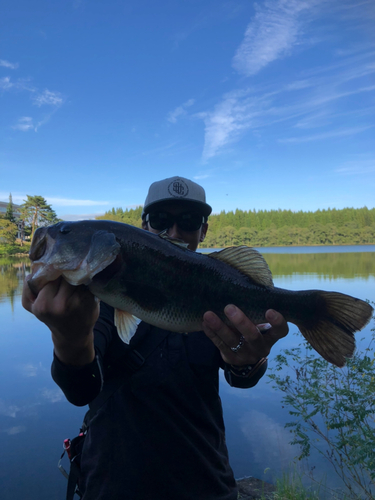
column 39, row 244
column 79, row 263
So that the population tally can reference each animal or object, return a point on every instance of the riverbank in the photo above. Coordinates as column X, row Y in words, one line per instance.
column 15, row 250
column 250, row 488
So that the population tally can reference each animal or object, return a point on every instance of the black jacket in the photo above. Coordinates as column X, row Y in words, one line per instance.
column 160, row 435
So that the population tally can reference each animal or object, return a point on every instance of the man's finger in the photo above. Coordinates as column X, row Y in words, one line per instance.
column 28, row 297
column 242, row 323
column 279, row 326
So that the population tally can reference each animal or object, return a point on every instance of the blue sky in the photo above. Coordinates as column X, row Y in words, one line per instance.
column 267, row 104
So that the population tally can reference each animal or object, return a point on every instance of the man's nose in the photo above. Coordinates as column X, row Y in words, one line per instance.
column 174, row 231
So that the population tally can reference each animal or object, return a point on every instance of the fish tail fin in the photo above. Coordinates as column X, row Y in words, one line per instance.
column 330, row 331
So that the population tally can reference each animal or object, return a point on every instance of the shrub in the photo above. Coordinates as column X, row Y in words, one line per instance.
column 333, row 411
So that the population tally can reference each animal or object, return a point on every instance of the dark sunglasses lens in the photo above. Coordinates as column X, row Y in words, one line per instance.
column 186, row 222
column 160, row 220
column 189, row 222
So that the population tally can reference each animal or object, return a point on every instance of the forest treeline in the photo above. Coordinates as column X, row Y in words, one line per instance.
column 265, row 228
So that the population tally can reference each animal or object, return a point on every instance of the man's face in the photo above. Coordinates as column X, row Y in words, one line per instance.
column 192, row 238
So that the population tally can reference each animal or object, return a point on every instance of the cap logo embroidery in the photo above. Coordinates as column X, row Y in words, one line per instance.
column 178, row 188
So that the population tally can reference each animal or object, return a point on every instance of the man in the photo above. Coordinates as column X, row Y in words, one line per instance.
column 156, row 430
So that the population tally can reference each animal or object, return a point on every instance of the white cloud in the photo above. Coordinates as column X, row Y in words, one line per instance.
column 356, row 167
column 24, row 124
column 234, row 114
column 76, row 217
column 311, row 101
column 201, row 177
column 70, row 202
column 179, row 111
column 325, row 135
column 30, row 370
column 49, row 98
column 15, row 430
column 271, row 34
column 7, row 64
column 5, row 83
column 8, row 410
column 53, row 395
column 264, row 433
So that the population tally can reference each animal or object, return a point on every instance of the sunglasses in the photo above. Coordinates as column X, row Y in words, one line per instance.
column 163, row 220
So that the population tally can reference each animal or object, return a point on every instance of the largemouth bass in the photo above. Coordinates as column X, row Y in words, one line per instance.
column 147, row 276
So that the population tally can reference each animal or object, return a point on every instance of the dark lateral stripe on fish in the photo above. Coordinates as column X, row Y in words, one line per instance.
column 146, row 296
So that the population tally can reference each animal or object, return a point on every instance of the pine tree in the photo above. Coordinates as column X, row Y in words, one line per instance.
column 9, row 214
column 37, row 212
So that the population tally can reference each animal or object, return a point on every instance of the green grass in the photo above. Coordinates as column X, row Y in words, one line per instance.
column 291, row 487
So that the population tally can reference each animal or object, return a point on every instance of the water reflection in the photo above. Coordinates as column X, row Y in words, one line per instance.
column 35, row 417
column 12, row 273
column 331, row 265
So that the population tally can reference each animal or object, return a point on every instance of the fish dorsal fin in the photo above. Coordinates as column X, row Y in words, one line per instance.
column 175, row 241
column 126, row 325
column 248, row 261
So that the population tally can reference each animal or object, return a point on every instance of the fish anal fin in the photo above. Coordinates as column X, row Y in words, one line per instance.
column 126, row 325
column 248, row 261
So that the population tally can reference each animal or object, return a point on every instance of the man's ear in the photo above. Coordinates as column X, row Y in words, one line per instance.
column 145, row 225
column 203, row 231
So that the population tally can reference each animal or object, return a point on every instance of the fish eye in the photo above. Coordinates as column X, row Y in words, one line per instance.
column 65, row 229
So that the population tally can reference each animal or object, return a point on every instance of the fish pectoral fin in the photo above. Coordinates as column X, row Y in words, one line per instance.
column 126, row 325
column 175, row 241
column 248, row 261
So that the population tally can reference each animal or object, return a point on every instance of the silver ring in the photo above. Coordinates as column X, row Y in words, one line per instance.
column 240, row 344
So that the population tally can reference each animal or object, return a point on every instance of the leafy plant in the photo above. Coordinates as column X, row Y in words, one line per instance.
column 8, row 231
column 333, row 411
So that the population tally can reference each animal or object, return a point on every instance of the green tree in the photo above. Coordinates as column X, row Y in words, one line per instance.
column 8, row 231
column 9, row 214
column 36, row 212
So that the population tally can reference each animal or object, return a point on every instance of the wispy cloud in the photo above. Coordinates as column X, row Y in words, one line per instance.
column 8, row 410
column 53, row 395
column 201, row 177
column 70, row 202
column 238, row 111
column 30, row 370
column 304, row 103
column 271, row 34
column 49, row 98
column 310, row 98
column 179, row 111
column 76, row 217
column 7, row 64
column 15, row 430
column 24, row 124
column 264, row 433
column 325, row 135
column 356, row 167
column 5, row 83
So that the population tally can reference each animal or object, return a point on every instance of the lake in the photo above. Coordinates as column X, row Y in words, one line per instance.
column 35, row 418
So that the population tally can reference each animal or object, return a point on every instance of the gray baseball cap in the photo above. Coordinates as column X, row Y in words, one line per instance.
column 176, row 189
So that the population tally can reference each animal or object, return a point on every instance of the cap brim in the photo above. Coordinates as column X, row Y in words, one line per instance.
column 203, row 208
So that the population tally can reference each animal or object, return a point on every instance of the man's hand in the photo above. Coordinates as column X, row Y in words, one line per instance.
column 70, row 312
column 255, row 345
